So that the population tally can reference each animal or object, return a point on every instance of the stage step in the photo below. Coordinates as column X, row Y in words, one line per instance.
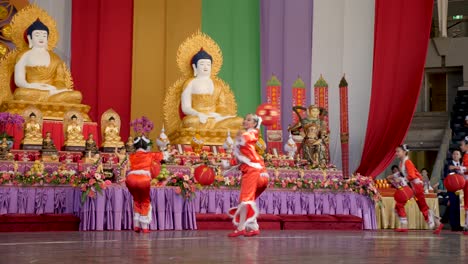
column 38, row 223
column 285, row 222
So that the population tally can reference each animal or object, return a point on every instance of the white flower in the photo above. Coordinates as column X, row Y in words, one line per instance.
column 186, row 178
column 97, row 176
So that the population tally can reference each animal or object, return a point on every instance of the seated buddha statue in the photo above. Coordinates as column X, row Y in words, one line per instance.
column 129, row 145
column 200, row 103
column 90, row 146
column 202, row 98
column 40, row 73
column 74, row 134
column 111, row 135
column 4, row 149
column 32, row 132
column 32, row 74
column 48, row 144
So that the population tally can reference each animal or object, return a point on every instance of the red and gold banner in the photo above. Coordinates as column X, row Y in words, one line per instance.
column 344, row 126
column 321, row 96
column 298, row 96
column 273, row 97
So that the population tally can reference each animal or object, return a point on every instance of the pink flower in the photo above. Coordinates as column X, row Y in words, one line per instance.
column 92, row 181
column 108, row 182
column 83, row 187
column 174, row 180
column 283, row 184
column 294, row 188
column 91, row 194
column 299, row 184
column 178, row 190
column 6, row 176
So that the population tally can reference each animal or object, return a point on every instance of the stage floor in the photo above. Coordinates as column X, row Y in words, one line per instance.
column 214, row 247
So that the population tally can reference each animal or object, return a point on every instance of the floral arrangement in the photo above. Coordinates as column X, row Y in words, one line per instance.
column 142, row 125
column 90, row 182
column 9, row 119
column 185, row 184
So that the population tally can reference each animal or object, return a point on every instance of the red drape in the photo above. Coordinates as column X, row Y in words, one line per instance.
column 401, row 37
column 101, row 64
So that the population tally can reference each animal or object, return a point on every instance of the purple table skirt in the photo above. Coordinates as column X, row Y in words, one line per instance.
column 274, row 201
column 112, row 210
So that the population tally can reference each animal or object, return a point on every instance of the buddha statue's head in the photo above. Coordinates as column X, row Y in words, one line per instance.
column 32, row 117
column 112, row 120
column 74, row 119
column 90, row 137
column 48, row 135
column 37, row 34
column 313, row 111
column 201, row 64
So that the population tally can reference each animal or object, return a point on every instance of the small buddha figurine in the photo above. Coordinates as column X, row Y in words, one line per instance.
column 4, row 149
column 91, row 146
column 48, row 144
column 32, row 131
column 129, row 145
column 40, row 74
column 38, row 167
column 111, row 135
column 74, row 133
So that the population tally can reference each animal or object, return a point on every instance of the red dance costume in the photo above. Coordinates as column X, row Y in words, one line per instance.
column 465, row 189
column 254, row 182
column 413, row 176
column 138, row 183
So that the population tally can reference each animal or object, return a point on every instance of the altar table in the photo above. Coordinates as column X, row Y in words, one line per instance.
column 113, row 209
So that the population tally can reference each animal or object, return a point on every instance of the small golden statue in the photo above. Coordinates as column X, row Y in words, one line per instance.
column 32, row 129
column 260, row 146
column 49, row 151
column 4, row 150
column 73, row 130
column 91, row 146
column 40, row 77
column 314, row 133
column 110, row 127
column 38, row 167
column 208, row 106
column 129, row 147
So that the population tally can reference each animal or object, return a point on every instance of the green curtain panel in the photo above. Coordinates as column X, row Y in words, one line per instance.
column 235, row 26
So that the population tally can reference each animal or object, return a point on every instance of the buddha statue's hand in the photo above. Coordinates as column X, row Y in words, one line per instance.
column 203, row 117
column 40, row 86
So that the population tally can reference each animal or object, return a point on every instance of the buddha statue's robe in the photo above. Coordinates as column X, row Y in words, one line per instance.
column 54, row 74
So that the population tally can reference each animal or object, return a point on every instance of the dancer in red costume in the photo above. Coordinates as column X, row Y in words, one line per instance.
column 254, row 179
column 412, row 175
column 139, row 182
column 464, row 170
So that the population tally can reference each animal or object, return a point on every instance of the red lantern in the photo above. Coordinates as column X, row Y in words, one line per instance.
column 204, row 175
column 268, row 113
column 454, row 182
column 155, row 169
column 404, row 194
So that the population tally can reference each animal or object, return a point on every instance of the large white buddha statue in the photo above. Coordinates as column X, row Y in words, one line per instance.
column 200, row 103
column 203, row 101
column 32, row 74
column 40, row 73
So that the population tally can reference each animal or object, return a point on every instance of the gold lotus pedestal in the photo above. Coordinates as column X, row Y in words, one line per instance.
column 209, row 137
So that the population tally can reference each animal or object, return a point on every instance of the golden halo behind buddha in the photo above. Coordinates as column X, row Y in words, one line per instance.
column 24, row 18
column 191, row 46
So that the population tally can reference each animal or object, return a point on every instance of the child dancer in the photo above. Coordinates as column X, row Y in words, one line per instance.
column 412, row 175
column 139, row 182
column 254, row 179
